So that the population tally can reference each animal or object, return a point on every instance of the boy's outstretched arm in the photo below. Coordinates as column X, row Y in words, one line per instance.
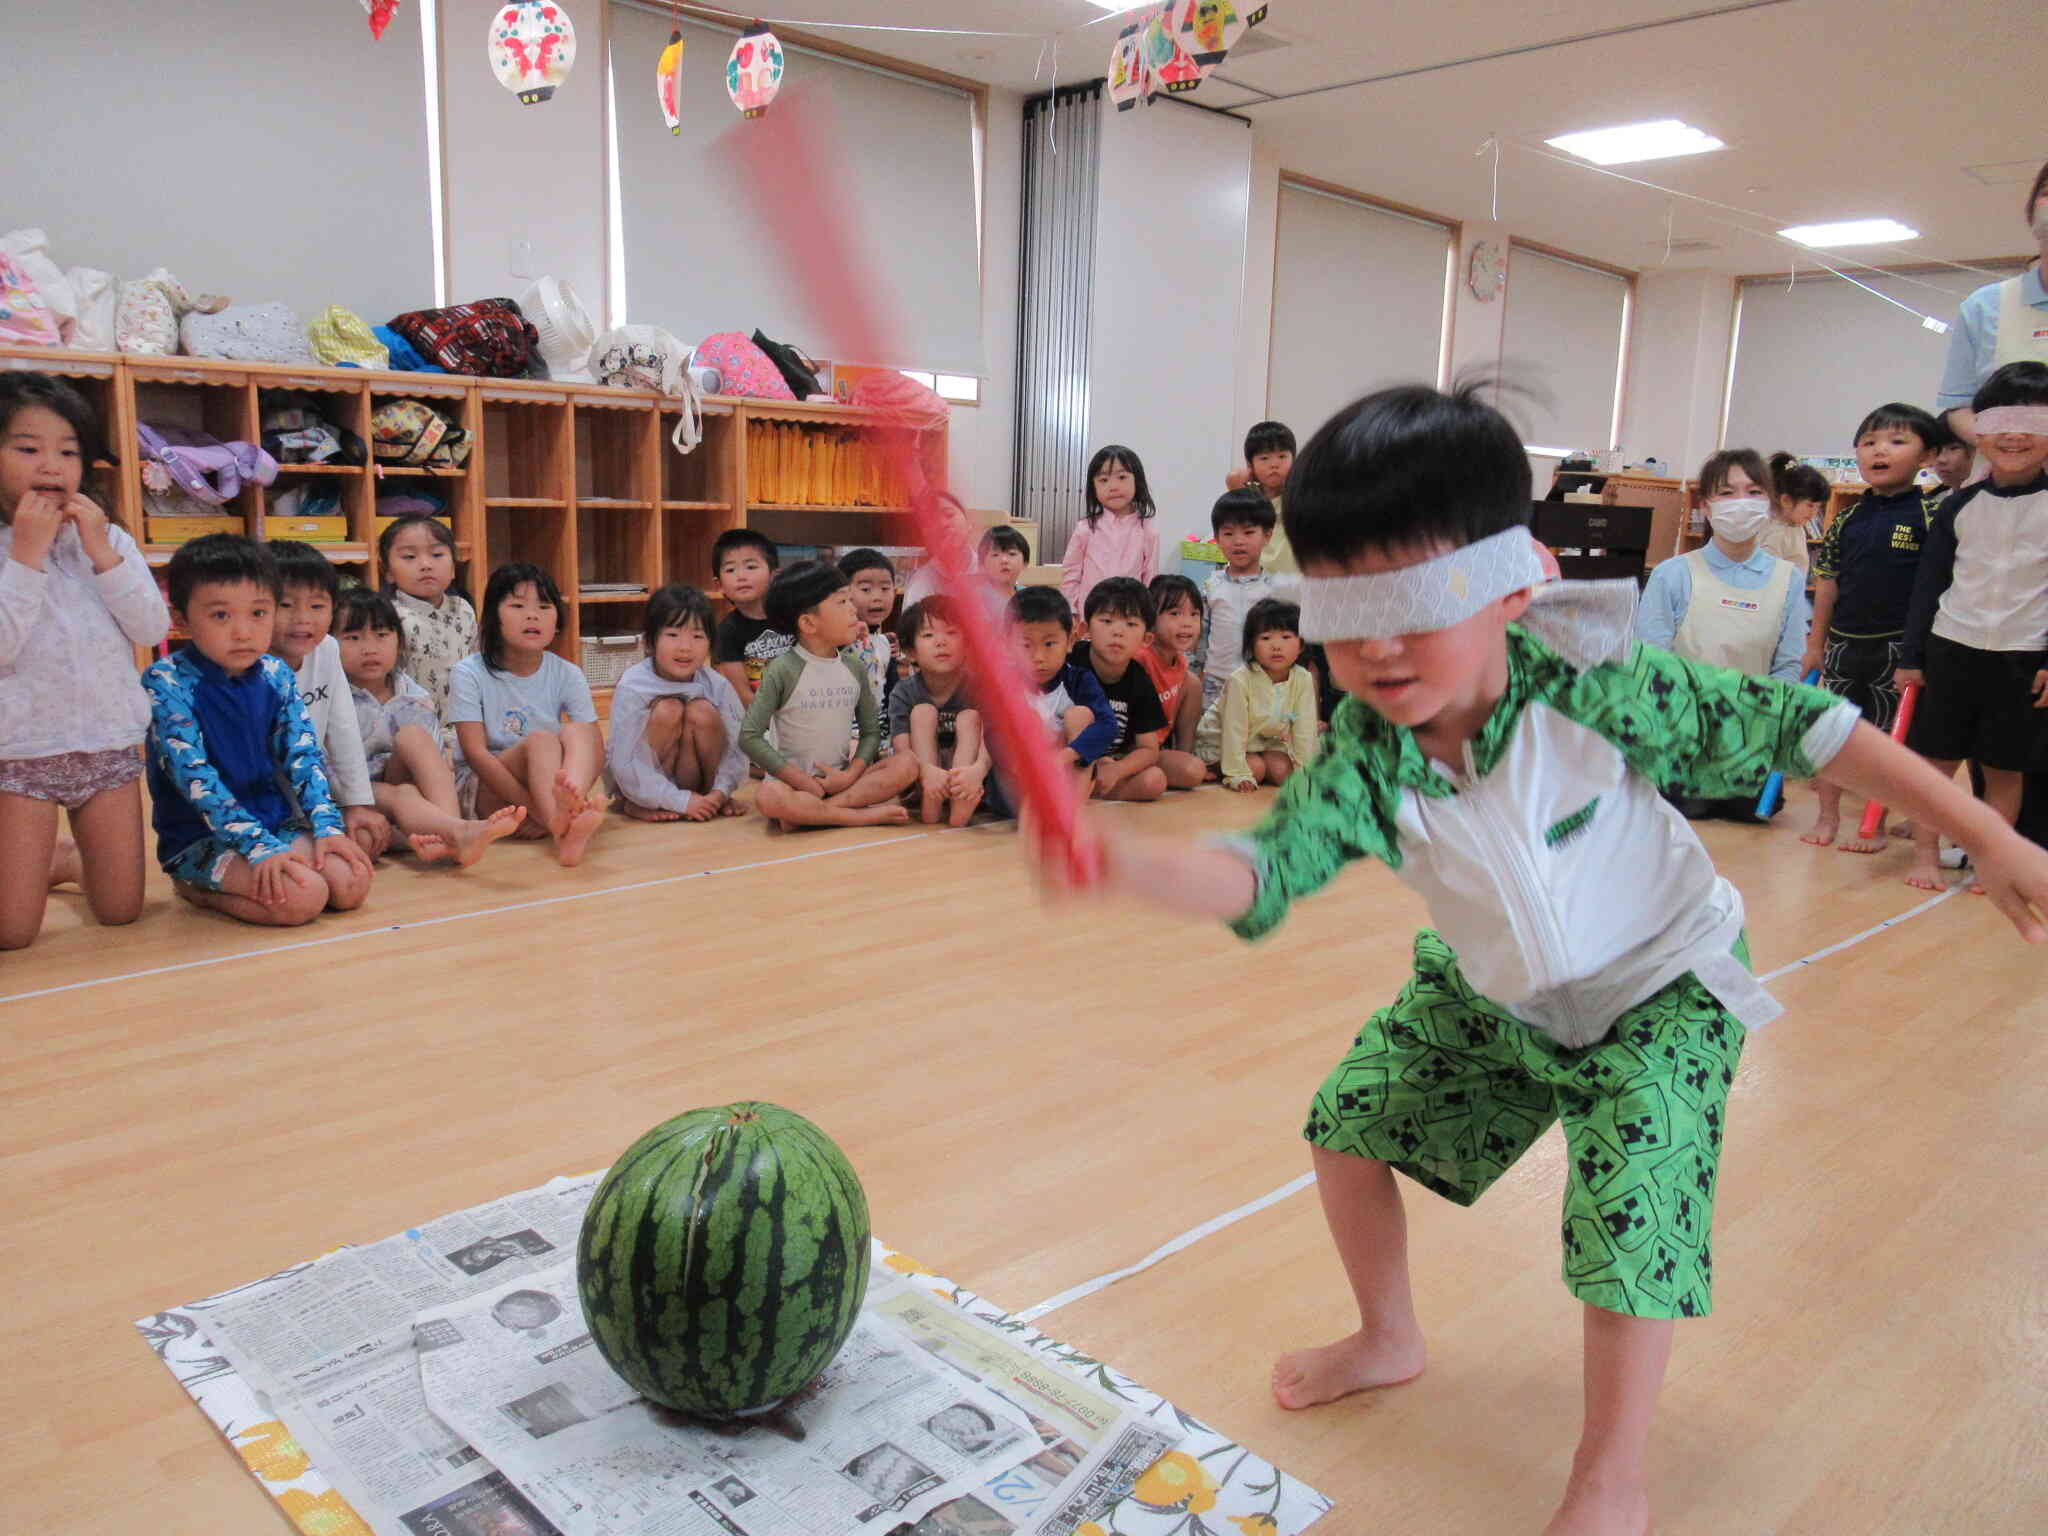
column 2012, row 870
column 1191, row 879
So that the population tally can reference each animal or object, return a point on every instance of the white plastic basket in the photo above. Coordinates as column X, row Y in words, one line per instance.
column 564, row 327
column 607, row 658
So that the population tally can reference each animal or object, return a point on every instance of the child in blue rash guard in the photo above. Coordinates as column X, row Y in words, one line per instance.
column 1501, row 748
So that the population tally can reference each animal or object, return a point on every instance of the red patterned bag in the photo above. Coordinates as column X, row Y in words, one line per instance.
column 488, row 338
column 743, row 368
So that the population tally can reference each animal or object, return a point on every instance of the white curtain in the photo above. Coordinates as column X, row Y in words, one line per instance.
column 1563, row 334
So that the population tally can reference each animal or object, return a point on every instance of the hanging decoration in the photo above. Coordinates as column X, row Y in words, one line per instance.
column 533, row 47
column 1167, row 65
column 668, row 82
column 1127, row 68
column 381, row 12
column 1209, row 29
column 754, row 72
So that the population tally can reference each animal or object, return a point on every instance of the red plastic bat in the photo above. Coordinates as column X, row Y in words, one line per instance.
column 788, row 171
column 1873, row 811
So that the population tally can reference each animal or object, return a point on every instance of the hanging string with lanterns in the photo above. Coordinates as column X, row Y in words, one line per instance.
column 532, row 47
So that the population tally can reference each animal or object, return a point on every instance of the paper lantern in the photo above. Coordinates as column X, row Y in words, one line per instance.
column 1127, row 68
column 1167, row 65
column 1209, row 29
column 381, row 12
column 668, row 82
column 754, row 72
column 533, row 47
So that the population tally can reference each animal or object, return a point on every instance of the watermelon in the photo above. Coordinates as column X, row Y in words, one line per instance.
column 724, row 1258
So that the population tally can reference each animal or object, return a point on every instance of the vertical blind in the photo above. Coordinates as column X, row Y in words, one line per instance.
column 1056, row 294
column 905, row 147
column 1359, row 295
column 1564, row 334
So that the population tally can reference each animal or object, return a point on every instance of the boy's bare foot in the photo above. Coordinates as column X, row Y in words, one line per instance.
column 66, row 868
column 1865, row 844
column 571, row 845
column 648, row 812
column 432, row 848
column 568, row 804
column 931, row 804
column 1823, row 831
column 476, row 836
column 963, row 809
column 1596, row 1508
column 888, row 815
column 1306, row 1377
column 1926, row 876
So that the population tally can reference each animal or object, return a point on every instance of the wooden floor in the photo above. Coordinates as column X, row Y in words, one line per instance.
column 1034, row 1098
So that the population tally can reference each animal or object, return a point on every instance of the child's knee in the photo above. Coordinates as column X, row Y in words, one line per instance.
column 347, row 887
column 669, row 714
column 701, row 714
column 1149, row 784
column 415, row 738
column 1077, row 720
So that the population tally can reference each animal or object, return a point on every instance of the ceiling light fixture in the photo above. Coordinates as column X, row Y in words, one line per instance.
column 1661, row 140
column 1850, row 232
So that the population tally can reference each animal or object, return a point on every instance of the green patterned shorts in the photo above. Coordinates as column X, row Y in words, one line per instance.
column 1450, row 1089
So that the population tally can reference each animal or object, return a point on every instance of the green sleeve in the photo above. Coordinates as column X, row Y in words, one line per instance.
column 1338, row 808
column 866, row 716
column 1707, row 731
column 778, row 679
column 1827, row 560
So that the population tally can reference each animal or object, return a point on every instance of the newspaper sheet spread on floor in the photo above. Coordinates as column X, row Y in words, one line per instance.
column 943, row 1416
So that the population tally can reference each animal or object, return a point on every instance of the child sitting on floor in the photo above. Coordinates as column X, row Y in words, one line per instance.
column 525, row 719
column 1070, row 700
column 1264, row 726
column 245, row 823
column 933, row 719
column 873, row 581
column 1118, row 615
column 812, row 697
column 1176, row 630
column 1502, row 750
column 303, row 639
column 675, row 743
column 1003, row 553
column 744, row 562
column 423, row 579
column 432, row 802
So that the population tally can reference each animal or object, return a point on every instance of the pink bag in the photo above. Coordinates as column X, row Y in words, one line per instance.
column 743, row 368
column 26, row 321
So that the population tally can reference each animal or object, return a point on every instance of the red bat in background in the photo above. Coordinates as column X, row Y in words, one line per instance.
column 1873, row 811
column 786, row 169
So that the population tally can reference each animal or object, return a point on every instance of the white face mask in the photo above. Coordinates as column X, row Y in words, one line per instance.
column 1738, row 519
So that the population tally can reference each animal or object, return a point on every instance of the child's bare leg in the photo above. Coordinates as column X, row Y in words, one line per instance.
column 534, row 761
column 1279, row 768
column 1609, row 1487
column 347, row 886
column 582, row 754
column 924, row 747
column 664, row 733
column 1075, row 721
column 883, row 783
column 108, row 829
column 1145, row 784
column 1183, row 770
column 702, row 747
column 1362, row 1204
column 436, row 835
column 305, row 895
column 1927, row 874
column 28, row 843
column 1827, row 818
column 66, row 866
column 967, row 739
column 793, row 809
column 416, row 759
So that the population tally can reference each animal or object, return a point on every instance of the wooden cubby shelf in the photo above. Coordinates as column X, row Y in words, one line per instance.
column 580, row 480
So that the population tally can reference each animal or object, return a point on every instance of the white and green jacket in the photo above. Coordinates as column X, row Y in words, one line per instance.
column 1549, row 859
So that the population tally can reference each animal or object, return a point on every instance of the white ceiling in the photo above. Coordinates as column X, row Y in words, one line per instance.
column 1831, row 109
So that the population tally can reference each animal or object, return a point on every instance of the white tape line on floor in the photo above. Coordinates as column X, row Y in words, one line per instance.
column 1209, row 1228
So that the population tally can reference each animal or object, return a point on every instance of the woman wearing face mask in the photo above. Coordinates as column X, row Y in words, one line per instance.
column 1733, row 603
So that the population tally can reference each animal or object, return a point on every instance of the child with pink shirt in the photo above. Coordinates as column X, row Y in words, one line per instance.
column 1115, row 536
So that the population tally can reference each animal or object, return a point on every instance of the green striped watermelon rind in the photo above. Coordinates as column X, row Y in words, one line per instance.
column 724, row 1258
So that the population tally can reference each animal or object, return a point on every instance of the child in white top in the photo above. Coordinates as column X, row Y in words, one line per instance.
column 302, row 640
column 417, row 555
column 1116, row 535
column 412, row 781
column 675, row 746
column 524, row 716
column 873, row 582
column 1242, row 521
column 1264, row 726
column 75, row 597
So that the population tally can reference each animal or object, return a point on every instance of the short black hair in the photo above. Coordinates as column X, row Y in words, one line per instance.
column 1944, row 435
column 1898, row 414
column 1268, row 437
column 938, row 607
column 1119, row 597
column 742, row 538
column 1267, row 615
column 301, row 565
column 1002, row 536
column 1041, row 605
column 1171, row 591
column 506, row 580
column 367, row 608
column 1241, row 508
column 220, row 559
column 854, row 561
column 20, row 390
column 1406, row 467
column 1792, row 480
column 798, row 589
column 2014, row 384
column 675, row 606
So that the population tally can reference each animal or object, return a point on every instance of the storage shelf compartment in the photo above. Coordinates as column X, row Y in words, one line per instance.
column 527, row 450
column 613, row 446
column 617, row 545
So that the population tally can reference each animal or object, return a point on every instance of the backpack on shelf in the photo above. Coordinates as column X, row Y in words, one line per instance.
column 743, row 367
column 648, row 357
column 146, row 313
column 341, row 338
column 488, row 338
column 294, row 432
column 247, row 333
column 799, row 372
column 203, row 467
column 414, row 434
column 25, row 320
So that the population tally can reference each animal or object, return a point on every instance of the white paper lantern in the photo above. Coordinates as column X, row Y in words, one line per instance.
column 533, row 47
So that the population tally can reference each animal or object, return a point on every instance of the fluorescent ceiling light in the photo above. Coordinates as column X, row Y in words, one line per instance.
column 1636, row 141
column 1851, row 232
column 1114, row 5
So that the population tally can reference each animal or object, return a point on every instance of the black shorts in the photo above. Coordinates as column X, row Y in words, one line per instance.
column 1980, row 705
column 1861, row 672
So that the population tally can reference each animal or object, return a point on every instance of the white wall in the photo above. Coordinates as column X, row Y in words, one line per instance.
column 1174, row 198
